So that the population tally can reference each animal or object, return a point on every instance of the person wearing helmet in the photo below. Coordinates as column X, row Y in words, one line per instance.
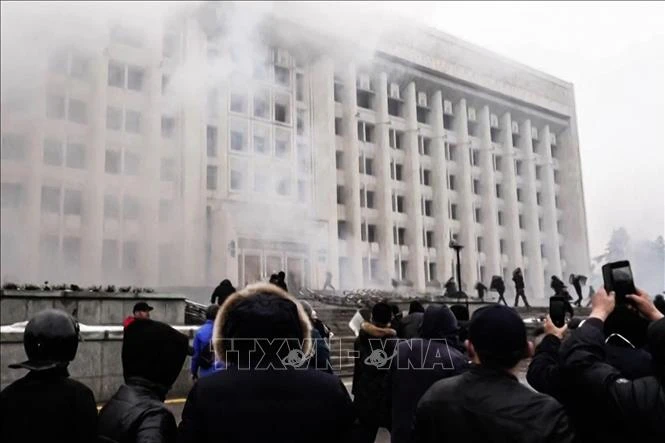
column 47, row 405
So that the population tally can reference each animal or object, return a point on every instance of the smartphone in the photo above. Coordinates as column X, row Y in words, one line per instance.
column 558, row 311
column 618, row 277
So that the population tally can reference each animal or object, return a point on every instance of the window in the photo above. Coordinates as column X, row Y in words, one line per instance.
column 300, row 122
column 211, row 178
column 134, row 78
column 494, row 135
column 519, row 194
column 338, row 126
column 52, row 152
column 300, row 87
column 424, row 144
column 451, row 152
column 71, row 251
column 238, row 175
column 516, row 140
column 538, row 198
column 558, row 227
column 116, row 74
column 448, row 122
column 168, row 127
column 554, row 151
column 282, row 109
column 261, row 143
column 451, row 182
column 556, row 201
column 432, row 271
column 422, row 115
column 499, row 194
column 302, row 191
column 75, row 156
column 499, row 218
column 542, row 251
column 497, row 162
column 453, row 211
column 369, row 200
column 366, row 166
column 50, row 201
column 72, row 203
column 429, row 239
column 133, row 121
column 338, row 89
column 502, row 246
column 427, row 207
column 395, row 139
column 394, row 107
column 77, row 111
column 340, row 195
column 282, row 76
column 426, row 177
column 211, row 141
column 365, row 132
column 523, row 248
column 132, row 163
column 540, row 223
column 165, row 85
column 474, row 157
column 238, row 135
column 479, row 244
column 518, row 167
column 399, row 236
column 238, row 102
column 167, row 170
column 113, row 118
column 282, row 144
column 111, row 206
column 368, row 232
column 556, row 176
column 520, row 221
column 538, row 172
column 342, row 230
column 130, row 256
column 477, row 215
column 403, row 266
column 112, row 162
column 261, row 99
column 339, row 160
column 365, row 99
column 130, row 208
column 400, row 204
column 11, row 195
column 397, row 174
column 55, row 107
column 476, row 186
column 109, row 254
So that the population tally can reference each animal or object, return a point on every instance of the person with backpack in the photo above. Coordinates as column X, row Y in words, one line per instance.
column 203, row 359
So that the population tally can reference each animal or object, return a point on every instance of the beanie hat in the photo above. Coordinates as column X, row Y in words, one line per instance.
column 498, row 335
column 381, row 313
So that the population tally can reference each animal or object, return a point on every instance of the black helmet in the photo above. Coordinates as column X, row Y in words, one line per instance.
column 51, row 339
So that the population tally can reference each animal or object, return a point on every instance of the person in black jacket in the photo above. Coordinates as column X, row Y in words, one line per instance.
column 267, row 393
column 47, row 405
column 635, row 408
column 222, row 292
column 409, row 326
column 518, row 279
column 375, row 353
column 153, row 354
column 488, row 403
column 420, row 363
column 497, row 284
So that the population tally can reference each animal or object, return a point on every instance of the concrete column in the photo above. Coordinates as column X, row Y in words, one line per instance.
column 534, row 274
column 414, row 232
column 488, row 193
column 511, row 209
column 383, row 195
column 467, row 236
column 444, row 255
column 571, row 203
column 551, row 237
column 325, row 171
column 351, row 176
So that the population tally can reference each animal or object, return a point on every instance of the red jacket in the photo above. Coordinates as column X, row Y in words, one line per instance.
column 128, row 321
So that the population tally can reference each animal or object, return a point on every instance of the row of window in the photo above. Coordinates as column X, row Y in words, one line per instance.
column 260, row 140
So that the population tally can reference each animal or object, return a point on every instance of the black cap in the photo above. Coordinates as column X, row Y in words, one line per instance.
column 498, row 335
column 142, row 307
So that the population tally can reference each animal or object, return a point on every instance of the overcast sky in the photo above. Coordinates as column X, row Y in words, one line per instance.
column 613, row 53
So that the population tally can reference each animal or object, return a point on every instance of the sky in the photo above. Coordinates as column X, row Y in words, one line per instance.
column 613, row 53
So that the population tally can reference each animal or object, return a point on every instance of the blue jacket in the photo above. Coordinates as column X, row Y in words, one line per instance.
column 202, row 339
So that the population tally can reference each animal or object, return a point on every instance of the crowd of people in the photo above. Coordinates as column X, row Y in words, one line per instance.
column 262, row 373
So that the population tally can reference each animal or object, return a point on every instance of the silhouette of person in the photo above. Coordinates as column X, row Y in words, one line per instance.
column 518, row 279
column 328, row 282
column 499, row 286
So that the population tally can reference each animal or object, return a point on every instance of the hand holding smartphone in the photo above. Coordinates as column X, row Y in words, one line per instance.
column 618, row 277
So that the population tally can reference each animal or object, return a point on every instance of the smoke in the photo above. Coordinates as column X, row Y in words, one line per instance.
column 34, row 33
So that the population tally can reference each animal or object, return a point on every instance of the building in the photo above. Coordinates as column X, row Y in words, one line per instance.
column 298, row 157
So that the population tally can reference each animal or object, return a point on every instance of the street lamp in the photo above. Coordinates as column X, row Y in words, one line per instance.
column 457, row 247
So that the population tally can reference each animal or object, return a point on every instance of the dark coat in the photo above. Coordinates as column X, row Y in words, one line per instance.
column 485, row 405
column 420, row 363
column 518, row 279
column 47, row 406
column 371, row 394
column 409, row 326
column 222, row 292
column 290, row 406
column 153, row 354
column 636, row 408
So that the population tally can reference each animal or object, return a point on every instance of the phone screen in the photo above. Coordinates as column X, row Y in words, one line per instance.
column 558, row 312
column 623, row 281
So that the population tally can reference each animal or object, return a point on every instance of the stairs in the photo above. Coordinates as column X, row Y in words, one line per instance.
column 341, row 346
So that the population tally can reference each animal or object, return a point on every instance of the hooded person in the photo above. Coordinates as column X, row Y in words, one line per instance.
column 222, row 292
column 420, row 363
column 409, row 326
column 153, row 354
column 47, row 405
column 267, row 391
column 279, row 280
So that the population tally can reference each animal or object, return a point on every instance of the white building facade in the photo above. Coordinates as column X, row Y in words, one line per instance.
column 308, row 161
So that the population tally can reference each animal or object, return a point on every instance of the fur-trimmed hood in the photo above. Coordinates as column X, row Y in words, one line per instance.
column 252, row 317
